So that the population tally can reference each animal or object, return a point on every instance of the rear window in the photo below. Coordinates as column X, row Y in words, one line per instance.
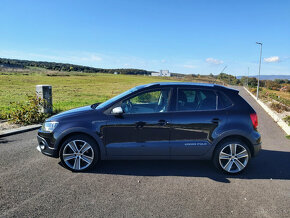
column 223, row 101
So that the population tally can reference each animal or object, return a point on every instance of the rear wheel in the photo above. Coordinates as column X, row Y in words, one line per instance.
column 79, row 153
column 232, row 156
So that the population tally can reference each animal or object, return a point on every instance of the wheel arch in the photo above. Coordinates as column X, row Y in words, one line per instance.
column 232, row 137
column 72, row 132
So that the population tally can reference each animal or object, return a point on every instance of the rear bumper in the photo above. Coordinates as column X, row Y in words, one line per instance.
column 257, row 148
column 44, row 148
column 255, row 139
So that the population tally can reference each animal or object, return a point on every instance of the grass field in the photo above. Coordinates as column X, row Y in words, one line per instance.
column 277, row 100
column 279, row 96
column 71, row 89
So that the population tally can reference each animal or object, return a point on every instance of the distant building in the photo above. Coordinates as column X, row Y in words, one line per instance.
column 116, row 73
column 155, row 74
column 161, row 73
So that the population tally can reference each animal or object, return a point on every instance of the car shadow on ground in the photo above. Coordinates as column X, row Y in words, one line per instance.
column 267, row 165
column 4, row 141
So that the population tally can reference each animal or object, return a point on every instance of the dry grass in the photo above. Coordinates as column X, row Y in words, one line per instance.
column 270, row 95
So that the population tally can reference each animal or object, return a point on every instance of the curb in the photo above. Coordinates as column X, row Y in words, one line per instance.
column 279, row 121
column 19, row 130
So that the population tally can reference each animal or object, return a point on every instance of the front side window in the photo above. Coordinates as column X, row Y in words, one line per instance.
column 155, row 101
column 196, row 100
column 108, row 102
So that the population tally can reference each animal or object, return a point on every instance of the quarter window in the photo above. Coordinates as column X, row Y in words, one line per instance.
column 223, row 101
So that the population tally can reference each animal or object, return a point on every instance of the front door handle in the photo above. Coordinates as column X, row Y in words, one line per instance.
column 140, row 124
column 215, row 120
column 162, row 122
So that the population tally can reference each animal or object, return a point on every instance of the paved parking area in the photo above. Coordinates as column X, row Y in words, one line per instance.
column 34, row 185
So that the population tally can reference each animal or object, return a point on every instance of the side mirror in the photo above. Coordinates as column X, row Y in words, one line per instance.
column 117, row 111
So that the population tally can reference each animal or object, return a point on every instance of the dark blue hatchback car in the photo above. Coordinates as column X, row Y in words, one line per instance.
column 157, row 121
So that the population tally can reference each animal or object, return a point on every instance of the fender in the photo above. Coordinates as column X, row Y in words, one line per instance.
column 85, row 131
column 232, row 132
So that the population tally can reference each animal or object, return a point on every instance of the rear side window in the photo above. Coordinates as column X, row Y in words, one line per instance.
column 196, row 100
column 223, row 101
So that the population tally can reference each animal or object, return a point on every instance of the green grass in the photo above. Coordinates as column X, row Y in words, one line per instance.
column 72, row 89
column 68, row 91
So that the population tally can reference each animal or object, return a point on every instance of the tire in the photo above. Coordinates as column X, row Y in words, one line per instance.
column 232, row 156
column 79, row 153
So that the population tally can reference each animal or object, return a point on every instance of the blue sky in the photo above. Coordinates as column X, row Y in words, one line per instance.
column 182, row 36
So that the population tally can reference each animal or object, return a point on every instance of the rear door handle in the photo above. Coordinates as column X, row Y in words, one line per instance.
column 162, row 122
column 215, row 120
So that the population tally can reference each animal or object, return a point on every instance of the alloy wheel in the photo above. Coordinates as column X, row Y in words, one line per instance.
column 78, row 155
column 233, row 158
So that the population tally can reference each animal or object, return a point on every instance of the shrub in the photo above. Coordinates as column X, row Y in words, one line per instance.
column 26, row 112
column 254, row 90
column 287, row 120
column 279, row 107
column 285, row 88
column 272, row 85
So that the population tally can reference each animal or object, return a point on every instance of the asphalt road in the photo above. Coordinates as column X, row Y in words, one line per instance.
column 34, row 185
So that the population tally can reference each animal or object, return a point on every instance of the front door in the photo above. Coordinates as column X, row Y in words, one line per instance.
column 142, row 130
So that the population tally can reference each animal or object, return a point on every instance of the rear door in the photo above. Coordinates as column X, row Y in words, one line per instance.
column 195, row 122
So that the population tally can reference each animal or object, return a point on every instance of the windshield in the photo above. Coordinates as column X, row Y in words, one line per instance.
column 116, row 98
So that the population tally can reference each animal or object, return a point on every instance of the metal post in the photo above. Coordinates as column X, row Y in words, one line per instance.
column 248, row 77
column 44, row 92
column 261, row 44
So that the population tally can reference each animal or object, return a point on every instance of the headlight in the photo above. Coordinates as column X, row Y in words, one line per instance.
column 49, row 126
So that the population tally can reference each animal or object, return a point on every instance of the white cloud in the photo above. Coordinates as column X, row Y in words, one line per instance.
column 189, row 66
column 96, row 58
column 214, row 61
column 272, row 59
column 89, row 58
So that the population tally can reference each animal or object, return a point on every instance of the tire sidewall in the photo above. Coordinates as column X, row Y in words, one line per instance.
column 87, row 139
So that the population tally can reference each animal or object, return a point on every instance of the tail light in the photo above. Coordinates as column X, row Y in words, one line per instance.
column 254, row 119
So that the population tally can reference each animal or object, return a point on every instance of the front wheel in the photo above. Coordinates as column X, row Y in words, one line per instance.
column 79, row 153
column 232, row 156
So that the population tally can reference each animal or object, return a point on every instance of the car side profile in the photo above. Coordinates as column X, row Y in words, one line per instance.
column 183, row 121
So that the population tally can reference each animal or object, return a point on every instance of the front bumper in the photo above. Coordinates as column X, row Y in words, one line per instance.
column 45, row 148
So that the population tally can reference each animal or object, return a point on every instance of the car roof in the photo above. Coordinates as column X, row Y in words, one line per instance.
column 206, row 85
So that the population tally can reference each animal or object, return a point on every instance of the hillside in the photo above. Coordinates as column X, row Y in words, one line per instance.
column 65, row 67
column 269, row 77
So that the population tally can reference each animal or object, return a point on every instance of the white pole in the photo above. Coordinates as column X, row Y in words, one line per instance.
column 261, row 44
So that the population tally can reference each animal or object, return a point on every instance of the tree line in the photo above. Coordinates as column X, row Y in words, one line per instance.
column 226, row 78
column 15, row 63
column 276, row 84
